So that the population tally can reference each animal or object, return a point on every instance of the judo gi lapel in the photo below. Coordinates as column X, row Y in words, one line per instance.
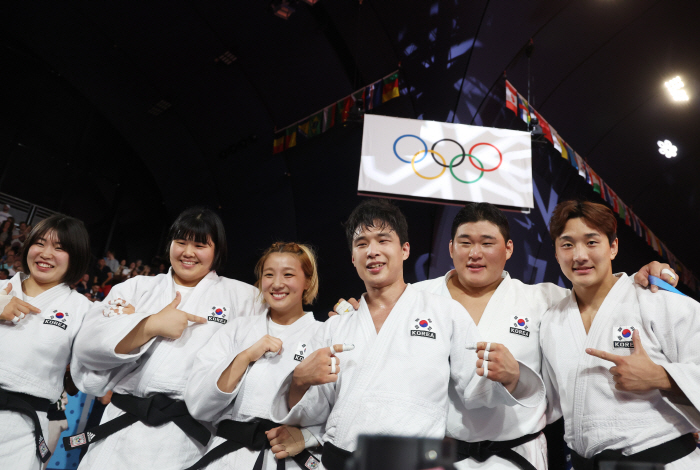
column 495, row 315
column 48, row 298
column 599, row 331
column 289, row 332
column 192, row 304
column 377, row 346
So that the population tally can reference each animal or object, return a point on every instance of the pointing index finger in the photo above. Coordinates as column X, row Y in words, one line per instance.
column 606, row 356
column 196, row 318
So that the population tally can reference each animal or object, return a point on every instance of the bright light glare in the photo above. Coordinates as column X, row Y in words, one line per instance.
column 675, row 86
column 667, row 149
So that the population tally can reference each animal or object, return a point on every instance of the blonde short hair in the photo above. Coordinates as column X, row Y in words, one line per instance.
column 307, row 259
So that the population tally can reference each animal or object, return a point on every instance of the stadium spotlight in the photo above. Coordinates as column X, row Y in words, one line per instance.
column 667, row 149
column 675, row 87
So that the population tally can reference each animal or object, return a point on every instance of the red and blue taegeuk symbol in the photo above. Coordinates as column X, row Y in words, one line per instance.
column 59, row 315
column 521, row 322
column 626, row 333
column 218, row 311
column 423, row 324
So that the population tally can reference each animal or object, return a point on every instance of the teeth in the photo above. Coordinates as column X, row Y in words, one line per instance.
column 189, row 263
column 280, row 295
column 44, row 265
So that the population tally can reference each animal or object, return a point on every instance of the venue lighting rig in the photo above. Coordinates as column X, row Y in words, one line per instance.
column 285, row 8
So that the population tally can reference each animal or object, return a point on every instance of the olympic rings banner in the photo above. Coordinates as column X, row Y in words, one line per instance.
column 445, row 163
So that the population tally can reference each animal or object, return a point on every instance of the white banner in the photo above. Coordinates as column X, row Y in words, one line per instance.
column 445, row 163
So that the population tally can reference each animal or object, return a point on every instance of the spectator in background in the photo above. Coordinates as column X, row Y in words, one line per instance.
column 128, row 272
column 97, row 294
column 111, row 262
column 162, row 269
column 6, row 231
column 9, row 260
column 4, row 274
column 5, row 214
column 147, row 271
column 139, row 263
column 120, row 270
column 102, row 273
column 16, row 267
column 88, row 295
column 84, row 285
column 19, row 234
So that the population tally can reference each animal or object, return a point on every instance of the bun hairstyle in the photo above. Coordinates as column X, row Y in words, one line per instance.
column 307, row 259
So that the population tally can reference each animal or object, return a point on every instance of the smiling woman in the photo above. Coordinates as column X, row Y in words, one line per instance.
column 145, row 354
column 39, row 318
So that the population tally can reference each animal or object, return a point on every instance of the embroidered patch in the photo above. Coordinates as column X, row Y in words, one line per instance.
column 59, row 319
column 43, row 448
column 424, row 328
column 622, row 337
column 77, row 441
column 312, row 463
column 218, row 315
column 520, row 326
column 300, row 353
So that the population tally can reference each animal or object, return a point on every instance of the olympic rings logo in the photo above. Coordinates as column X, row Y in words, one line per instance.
column 463, row 155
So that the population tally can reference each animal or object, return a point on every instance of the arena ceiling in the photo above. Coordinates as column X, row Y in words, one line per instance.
column 127, row 112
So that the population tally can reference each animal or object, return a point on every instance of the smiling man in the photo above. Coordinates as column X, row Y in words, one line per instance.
column 645, row 407
column 506, row 311
column 407, row 345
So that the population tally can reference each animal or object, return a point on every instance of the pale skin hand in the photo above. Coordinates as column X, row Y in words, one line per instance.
column 286, row 441
column 168, row 323
column 314, row 370
column 17, row 307
column 654, row 269
column 637, row 372
column 232, row 374
column 503, row 367
column 352, row 301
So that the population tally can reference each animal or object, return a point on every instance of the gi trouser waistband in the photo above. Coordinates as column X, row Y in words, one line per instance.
column 663, row 453
column 153, row 411
column 28, row 405
column 252, row 436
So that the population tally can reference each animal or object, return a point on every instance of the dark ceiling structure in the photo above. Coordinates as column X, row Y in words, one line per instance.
column 124, row 113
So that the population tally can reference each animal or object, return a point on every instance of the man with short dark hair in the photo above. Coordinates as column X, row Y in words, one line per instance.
column 4, row 274
column 402, row 348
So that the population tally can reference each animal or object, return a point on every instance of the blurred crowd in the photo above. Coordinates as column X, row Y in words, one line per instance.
column 95, row 284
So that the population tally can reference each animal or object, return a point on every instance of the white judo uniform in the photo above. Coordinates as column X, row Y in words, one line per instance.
column 395, row 382
column 596, row 415
column 35, row 353
column 253, row 396
column 160, row 366
column 512, row 317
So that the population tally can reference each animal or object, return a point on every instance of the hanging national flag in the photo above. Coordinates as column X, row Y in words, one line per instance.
column 571, row 154
column 562, row 144
column 596, row 182
column 304, row 130
column 581, row 166
column 290, row 139
column 391, row 87
column 523, row 109
column 344, row 107
column 328, row 117
column 278, row 144
column 628, row 217
column 315, row 124
column 556, row 141
column 377, row 93
column 511, row 98
column 546, row 131
column 369, row 97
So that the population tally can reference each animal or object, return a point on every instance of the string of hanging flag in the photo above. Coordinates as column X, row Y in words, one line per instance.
column 516, row 103
column 372, row 95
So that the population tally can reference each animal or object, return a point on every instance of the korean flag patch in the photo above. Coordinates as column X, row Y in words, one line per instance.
column 301, row 352
column 218, row 315
column 520, row 325
column 622, row 337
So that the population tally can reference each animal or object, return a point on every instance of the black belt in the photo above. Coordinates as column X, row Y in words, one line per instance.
column 483, row 450
column 252, row 436
column 28, row 405
column 663, row 453
column 153, row 411
column 333, row 457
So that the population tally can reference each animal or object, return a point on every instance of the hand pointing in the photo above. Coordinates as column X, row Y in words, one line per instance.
column 171, row 322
